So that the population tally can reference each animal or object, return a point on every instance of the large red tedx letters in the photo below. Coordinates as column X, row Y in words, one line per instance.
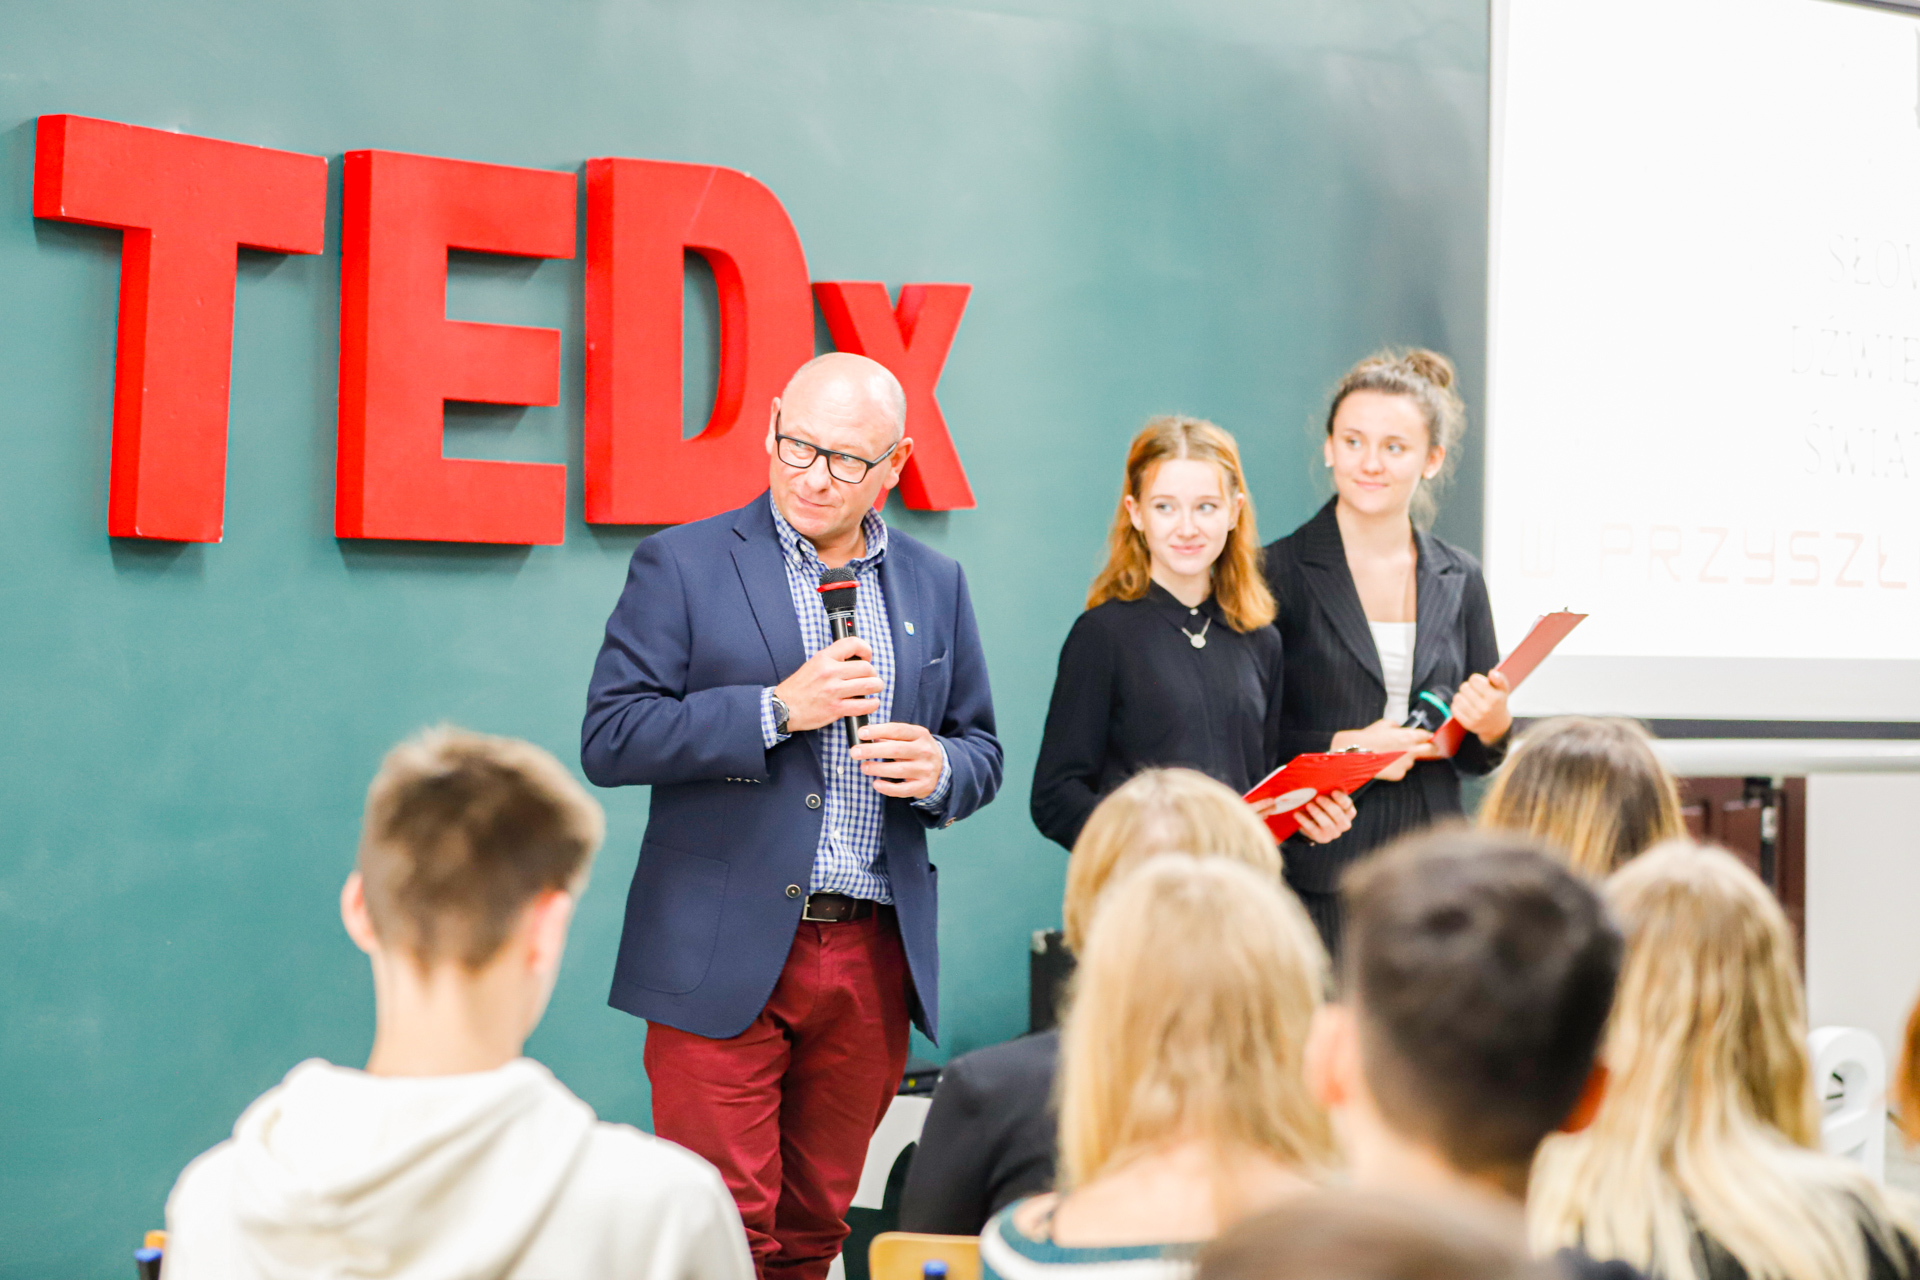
column 912, row 340
column 401, row 359
column 185, row 206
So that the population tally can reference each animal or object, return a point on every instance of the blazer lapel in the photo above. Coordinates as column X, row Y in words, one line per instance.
column 1323, row 558
column 756, row 556
column 1438, row 586
column 901, row 585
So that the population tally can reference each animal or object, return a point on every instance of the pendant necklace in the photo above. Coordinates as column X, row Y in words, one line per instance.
column 1198, row 639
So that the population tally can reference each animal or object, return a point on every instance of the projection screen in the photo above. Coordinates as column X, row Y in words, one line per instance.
column 1704, row 356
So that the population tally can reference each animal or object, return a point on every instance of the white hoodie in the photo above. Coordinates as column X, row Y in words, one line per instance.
column 500, row 1174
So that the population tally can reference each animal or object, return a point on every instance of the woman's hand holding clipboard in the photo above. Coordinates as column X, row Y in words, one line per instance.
column 1546, row 635
column 1302, row 779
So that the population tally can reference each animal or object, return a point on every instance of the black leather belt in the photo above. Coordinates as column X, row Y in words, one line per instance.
column 836, row 908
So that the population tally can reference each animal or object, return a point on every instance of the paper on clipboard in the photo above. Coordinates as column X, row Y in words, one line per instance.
column 1546, row 635
column 1315, row 774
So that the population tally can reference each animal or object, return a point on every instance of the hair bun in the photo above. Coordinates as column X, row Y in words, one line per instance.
column 1431, row 365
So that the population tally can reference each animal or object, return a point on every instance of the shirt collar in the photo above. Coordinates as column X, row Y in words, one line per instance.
column 1165, row 600
column 872, row 528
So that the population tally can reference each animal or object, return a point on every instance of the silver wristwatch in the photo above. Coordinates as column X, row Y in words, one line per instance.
column 780, row 713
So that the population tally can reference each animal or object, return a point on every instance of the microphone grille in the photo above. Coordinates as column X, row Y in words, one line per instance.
column 837, row 589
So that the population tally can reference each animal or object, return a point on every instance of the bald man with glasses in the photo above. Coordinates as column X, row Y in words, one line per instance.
column 781, row 927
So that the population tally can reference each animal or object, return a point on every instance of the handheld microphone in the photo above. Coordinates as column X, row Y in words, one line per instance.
column 838, row 589
column 1430, row 709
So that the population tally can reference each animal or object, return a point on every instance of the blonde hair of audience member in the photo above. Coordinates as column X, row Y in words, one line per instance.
column 1160, row 811
column 1590, row 786
column 1710, row 1121
column 1238, row 584
column 1181, row 1060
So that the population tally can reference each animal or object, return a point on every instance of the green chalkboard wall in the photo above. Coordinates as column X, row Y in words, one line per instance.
column 1209, row 206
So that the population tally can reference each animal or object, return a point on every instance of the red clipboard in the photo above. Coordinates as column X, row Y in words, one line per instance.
column 1304, row 777
column 1546, row 635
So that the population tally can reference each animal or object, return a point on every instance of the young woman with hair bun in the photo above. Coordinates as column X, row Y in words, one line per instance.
column 1175, row 662
column 1374, row 611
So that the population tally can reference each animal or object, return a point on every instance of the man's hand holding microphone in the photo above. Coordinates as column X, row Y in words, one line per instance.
column 839, row 682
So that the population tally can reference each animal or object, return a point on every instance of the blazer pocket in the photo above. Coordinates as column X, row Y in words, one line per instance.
column 681, row 895
column 936, row 681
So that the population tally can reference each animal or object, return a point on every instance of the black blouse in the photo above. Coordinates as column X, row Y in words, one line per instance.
column 1134, row 693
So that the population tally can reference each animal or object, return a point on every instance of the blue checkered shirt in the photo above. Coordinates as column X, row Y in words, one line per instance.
column 851, row 858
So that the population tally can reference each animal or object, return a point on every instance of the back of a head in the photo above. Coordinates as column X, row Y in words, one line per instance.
column 1710, row 1121
column 463, row 831
column 1482, row 971
column 1589, row 786
column 1189, row 1019
column 1356, row 1235
column 1160, row 811
column 1905, row 1089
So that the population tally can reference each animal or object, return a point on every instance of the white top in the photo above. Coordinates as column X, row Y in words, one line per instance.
column 1394, row 643
column 498, row 1173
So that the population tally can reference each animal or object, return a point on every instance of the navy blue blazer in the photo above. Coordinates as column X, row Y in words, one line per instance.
column 704, row 624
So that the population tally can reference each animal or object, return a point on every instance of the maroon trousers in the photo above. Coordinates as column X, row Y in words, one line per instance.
column 786, row 1108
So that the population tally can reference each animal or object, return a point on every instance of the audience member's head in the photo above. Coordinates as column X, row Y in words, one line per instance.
column 1477, row 977
column 1365, row 1235
column 472, row 853
column 1705, row 1143
column 1906, row 1078
column 1190, row 1013
column 1590, row 787
column 1159, row 811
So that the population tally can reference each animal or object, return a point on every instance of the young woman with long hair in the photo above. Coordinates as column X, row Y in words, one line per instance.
column 1374, row 612
column 1703, row 1161
column 1175, row 661
column 1183, row 1103
column 989, row 1137
column 1591, row 787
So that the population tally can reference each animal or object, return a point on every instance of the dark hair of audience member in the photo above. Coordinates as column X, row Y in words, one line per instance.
column 1482, row 970
column 1353, row 1235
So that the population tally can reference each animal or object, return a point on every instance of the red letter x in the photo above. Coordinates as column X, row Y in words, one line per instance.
column 185, row 204
column 912, row 340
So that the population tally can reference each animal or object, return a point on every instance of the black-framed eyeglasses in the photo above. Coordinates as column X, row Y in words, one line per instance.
column 847, row 468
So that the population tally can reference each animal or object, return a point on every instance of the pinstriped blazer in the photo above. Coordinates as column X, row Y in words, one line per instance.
column 1333, row 680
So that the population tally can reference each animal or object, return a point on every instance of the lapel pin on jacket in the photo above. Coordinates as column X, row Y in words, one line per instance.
column 909, row 628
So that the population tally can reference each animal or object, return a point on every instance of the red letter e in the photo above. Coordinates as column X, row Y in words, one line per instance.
column 401, row 359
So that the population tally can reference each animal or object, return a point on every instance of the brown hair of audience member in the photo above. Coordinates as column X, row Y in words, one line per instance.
column 1710, row 1125
column 1906, row 1079
column 1591, row 787
column 1238, row 584
column 1189, row 1017
column 1160, row 811
column 1481, row 970
column 1354, row 1235
column 1427, row 378
column 462, row 831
